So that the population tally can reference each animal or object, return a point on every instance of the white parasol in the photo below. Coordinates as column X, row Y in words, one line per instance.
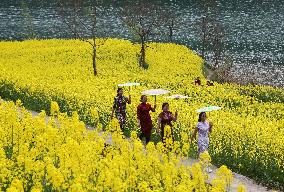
column 129, row 84
column 209, row 108
column 155, row 92
column 178, row 97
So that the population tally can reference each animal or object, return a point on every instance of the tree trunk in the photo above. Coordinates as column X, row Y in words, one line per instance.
column 142, row 61
column 95, row 59
column 171, row 28
column 203, row 37
column 94, row 40
column 95, row 55
column 217, row 47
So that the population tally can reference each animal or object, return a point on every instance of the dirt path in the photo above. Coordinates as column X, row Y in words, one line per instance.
column 238, row 179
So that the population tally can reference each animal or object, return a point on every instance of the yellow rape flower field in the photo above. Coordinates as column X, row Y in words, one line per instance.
column 62, row 155
column 247, row 137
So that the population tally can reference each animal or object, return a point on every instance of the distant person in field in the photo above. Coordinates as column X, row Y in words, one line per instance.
column 203, row 128
column 165, row 118
column 197, row 81
column 209, row 83
column 119, row 107
column 144, row 118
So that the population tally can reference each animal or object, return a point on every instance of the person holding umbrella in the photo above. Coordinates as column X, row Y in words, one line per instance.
column 119, row 107
column 144, row 118
column 165, row 118
column 203, row 128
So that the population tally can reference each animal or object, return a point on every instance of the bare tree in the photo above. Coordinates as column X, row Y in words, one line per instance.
column 217, row 40
column 81, row 20
column 211, row 33
column 29, row 31
column 203, row 29
column 222, row 73
column 143, row 19
column 171, row 22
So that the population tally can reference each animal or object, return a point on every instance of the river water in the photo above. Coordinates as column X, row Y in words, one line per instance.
column 254, row 30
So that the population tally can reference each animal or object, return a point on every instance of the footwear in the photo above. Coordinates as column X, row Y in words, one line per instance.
column 208, row 170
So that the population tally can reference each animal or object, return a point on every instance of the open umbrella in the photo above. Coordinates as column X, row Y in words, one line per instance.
column 155, row 92
column 208, row 109
column 178, row 97
column 129, row 84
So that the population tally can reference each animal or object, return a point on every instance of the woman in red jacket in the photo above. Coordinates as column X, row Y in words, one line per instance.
column 144, row 118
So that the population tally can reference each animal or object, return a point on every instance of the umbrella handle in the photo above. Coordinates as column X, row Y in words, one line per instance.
column 155, row 99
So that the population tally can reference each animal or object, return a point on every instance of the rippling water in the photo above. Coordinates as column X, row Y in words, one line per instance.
column 254, row 31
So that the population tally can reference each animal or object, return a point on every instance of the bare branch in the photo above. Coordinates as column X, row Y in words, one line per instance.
column 84, row 25
column 75, row 23
column 142, row 19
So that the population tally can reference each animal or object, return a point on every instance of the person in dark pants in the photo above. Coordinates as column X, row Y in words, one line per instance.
column 119, row 107
column 165, row 118
column 144, row 118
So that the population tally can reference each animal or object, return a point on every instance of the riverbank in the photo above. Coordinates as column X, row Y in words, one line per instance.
column 255, row 75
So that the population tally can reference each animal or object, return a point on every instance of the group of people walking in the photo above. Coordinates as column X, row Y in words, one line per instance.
column 166, row 117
